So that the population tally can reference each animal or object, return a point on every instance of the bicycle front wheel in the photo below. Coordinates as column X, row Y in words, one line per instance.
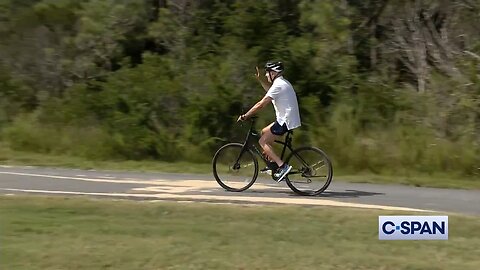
column 233, row 169
column 311, row 173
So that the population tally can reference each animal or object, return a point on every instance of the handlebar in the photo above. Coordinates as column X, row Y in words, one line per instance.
column 250, row 119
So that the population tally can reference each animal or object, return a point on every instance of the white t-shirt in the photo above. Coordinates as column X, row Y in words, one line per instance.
column 285, row 103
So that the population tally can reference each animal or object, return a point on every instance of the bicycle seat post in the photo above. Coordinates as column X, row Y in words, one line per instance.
column 288, row 139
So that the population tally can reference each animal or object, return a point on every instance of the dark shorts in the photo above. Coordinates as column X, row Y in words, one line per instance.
column 277, row 129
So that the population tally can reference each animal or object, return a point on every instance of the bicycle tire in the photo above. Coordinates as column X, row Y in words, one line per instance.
column 299, row 167
column 231, row 151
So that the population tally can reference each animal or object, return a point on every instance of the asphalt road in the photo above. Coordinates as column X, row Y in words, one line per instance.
column 187, row 187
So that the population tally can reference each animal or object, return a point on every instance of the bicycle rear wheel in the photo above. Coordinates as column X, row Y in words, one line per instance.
column 311, row 173
column 234, row 170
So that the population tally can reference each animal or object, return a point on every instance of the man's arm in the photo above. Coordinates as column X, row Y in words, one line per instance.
column 265, row 84
column 257, row 107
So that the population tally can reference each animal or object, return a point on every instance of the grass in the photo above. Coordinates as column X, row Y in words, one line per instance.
column 78, row 233
column 13, row 157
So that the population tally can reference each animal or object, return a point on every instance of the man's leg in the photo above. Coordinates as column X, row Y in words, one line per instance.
column 261, row 133
column 266, row 142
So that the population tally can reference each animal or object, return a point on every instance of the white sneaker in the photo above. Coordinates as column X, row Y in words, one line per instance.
column 282, row 172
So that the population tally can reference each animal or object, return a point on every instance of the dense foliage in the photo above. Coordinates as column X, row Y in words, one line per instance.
column 383, row 86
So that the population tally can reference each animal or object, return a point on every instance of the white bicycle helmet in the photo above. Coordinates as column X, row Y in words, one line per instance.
column 274, row 66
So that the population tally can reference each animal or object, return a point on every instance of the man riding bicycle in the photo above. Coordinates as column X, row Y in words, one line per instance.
column 282, row 95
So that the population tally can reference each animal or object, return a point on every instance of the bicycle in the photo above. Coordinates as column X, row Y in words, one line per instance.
column 235, row 166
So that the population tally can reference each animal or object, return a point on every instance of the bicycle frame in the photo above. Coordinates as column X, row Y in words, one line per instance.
column 253, row 135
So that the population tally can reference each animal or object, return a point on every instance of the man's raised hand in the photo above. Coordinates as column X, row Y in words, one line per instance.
column 257, row 75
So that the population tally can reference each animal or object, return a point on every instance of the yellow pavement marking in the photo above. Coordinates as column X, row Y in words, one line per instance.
column 181, row 186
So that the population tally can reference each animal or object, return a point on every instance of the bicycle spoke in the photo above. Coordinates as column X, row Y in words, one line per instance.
column 321, row 161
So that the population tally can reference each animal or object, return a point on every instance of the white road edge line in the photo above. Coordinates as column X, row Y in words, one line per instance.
column 119, row 181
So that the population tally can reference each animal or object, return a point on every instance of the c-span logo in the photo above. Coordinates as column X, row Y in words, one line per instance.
column 413, row 227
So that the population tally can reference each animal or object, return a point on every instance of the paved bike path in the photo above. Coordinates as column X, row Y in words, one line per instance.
column 189, row 187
